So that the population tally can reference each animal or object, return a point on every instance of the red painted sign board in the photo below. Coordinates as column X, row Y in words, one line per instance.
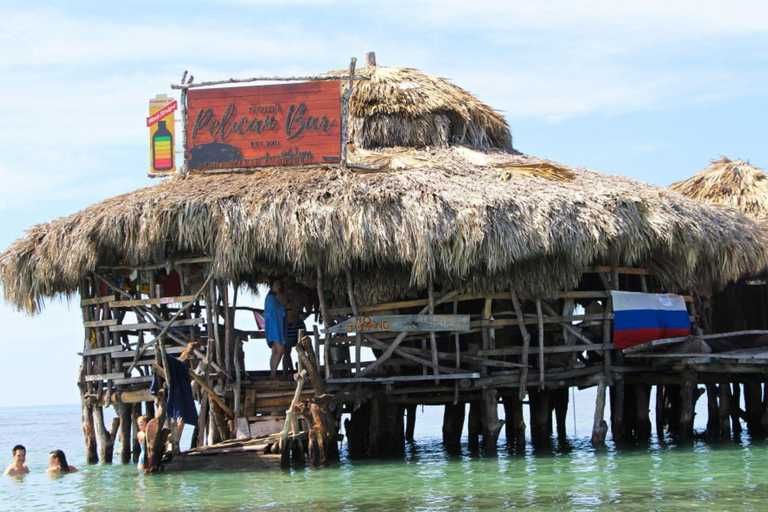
column 292, row 124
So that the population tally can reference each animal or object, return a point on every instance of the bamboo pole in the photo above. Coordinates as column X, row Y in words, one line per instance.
column 353, row 303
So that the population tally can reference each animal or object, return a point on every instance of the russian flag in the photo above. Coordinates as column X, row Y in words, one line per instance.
column 643, row 317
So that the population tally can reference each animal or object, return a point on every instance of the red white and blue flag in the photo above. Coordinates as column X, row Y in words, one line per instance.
column 642, row 317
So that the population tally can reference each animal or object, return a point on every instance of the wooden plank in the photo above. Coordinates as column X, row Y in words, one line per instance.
column 530, row 320
column 680, row 339
column 155, row 266
column 158, row 326
column 101, row 351
column 402, row 323
column 147, row 302
column 97, row 300
column 104, row 376
column 513, row 351
column 406, row 378
column 100, row 323
column 132, row 380
column 130, row 354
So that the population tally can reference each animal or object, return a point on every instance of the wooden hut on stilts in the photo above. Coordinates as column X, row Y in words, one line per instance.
column 449, row 269
column 741, row 306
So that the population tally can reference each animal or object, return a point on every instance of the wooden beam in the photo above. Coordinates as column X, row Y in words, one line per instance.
column 157, row 326
column 147, row 302
column 97, row 300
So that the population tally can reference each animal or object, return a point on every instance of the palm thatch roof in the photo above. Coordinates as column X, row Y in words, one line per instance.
column 482, row 218
column 733, row 183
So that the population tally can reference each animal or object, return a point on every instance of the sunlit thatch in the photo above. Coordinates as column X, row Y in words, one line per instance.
column 732, row 183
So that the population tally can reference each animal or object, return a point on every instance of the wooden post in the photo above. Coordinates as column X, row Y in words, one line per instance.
column 526, row 345
column 753, row 403
column 735, row 409
column 345, row 114
column 410, row 424
column 540, row 317
column 561, row 398
column 713, row 418
column 599, row 428
column 432, row 338
column 618, row 407
column 473, row 426
column 327, row 322
column 453, row 425
column 660, row 412
column 514, row 421
column 491, row 423
column 687, row 404
column 106, row 437
column 89, row 433
column 541, row 415
column 724, row 408
column 135, row 413
column 125, row 411
column 642, row 416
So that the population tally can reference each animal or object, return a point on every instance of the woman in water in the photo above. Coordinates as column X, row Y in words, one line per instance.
column 58, row 463
column 142, row 437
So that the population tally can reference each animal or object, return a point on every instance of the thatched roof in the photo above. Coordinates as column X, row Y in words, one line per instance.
column 405, row 107
column 477, row 219
column 733, row 183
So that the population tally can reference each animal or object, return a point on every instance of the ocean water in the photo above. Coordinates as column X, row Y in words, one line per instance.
column 709, row 476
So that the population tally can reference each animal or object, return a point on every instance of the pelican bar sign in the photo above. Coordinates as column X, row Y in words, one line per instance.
column 293, row 124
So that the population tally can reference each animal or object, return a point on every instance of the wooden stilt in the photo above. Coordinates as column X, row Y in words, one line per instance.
column 474, row 426
column 135, row 413
column 642, row 428
column 560, row 399
column 515, row 423
column 106, row 437
column 713, row 418
column 723, row 409
column 89, row 433
column 125, row 411
column 736, row 409
column 541, row 415
column 357, row 429
column 599, row 428
column 687, row 404
column 753, row 404
column 491, row 423
column 660, row 411
column 453, row 425
column 410, row 424
column 526, row 345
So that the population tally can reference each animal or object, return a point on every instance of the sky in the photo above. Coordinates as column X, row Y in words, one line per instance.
column 652, row 90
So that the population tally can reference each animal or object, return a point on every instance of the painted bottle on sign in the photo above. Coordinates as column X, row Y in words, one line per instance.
column 162, row 148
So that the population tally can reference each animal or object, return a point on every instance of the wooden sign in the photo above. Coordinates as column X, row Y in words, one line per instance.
column 402, row 323
column 292, row 124
column 161, row 123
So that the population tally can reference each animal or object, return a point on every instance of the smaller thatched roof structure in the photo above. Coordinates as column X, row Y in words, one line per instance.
column 733, row 183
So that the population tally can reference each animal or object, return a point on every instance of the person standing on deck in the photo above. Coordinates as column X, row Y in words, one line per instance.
column 19, row 458
column 297, row 309
column 274, row 326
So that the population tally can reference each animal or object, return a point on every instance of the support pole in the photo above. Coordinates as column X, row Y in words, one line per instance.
column 600, row 427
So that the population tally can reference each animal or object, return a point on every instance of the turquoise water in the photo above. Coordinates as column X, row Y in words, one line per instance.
column 700, row 476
